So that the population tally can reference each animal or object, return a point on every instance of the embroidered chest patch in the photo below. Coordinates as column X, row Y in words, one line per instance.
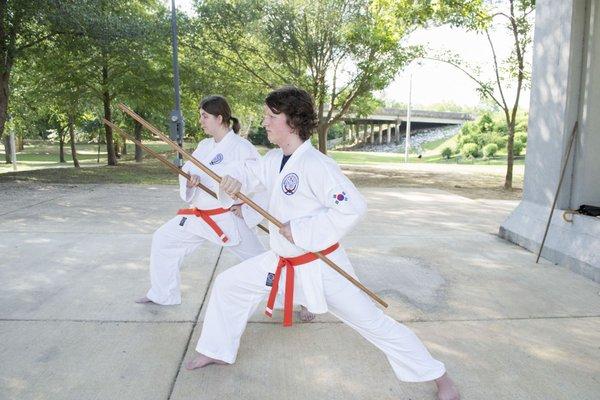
column 270, row 277
column 217, row 159
column 340, row 197
column 289, row 184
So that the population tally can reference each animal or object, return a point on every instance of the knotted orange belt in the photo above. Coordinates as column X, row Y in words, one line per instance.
column 289, row 264
column 205, row 215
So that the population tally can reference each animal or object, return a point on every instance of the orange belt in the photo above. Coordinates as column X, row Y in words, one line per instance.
column 289, row 264
column 205, row 215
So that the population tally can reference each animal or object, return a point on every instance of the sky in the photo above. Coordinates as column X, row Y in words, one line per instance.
column 434, row 82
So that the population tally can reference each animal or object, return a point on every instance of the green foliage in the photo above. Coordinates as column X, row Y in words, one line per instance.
column 470, row 150
column 518, row 148
column 490, row 150
column 490, row 129
column 447, row 153
column 521, row 137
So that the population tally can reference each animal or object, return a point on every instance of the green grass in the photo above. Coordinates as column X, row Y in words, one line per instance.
column 40, row 155
column 39, row 162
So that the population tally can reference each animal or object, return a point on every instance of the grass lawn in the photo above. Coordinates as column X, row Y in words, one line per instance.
column 364, row 168
column 42, row 155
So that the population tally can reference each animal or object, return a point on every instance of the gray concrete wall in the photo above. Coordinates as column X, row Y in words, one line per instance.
column 586, row 181
column 565, row 81
column 556, row 72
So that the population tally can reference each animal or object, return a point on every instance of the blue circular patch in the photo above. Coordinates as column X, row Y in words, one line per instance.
column 289, row 185
column 218, row 158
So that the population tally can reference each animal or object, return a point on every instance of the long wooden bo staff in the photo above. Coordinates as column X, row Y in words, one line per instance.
column 165, row 161
column 243, row 197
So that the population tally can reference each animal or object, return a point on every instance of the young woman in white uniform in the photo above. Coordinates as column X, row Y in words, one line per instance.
column 308, row 190
column 206, row 220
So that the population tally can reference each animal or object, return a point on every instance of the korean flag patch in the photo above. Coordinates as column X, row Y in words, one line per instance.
column 340, row 197
column 217, row 159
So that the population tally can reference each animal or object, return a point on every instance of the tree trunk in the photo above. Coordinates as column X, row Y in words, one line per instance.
column 61, row 138
column 20, row 143
column 137, row 130
column 116, row 148
column 4, row 93
column 7, row 149
column 322, row 127
column 322, row 130
column 72, row 137
column 110, row 145
column 510, row 155
column 124, row 147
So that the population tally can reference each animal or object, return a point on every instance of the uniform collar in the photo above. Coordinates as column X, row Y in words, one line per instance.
column 296, row 155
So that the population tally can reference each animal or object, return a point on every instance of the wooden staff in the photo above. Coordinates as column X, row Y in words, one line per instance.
column 243, row 197
column 562, row 175
column 166, row 162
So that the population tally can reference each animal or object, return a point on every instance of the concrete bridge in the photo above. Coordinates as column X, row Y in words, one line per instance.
column 389, row 124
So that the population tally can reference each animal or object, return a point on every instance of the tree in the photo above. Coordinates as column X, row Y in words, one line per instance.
column 24, row 24
column 339, row 50
column 512, row 71
column 113, row 51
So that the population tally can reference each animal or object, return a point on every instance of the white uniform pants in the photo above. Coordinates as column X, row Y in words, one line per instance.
column 237, row 292
column 170, row 245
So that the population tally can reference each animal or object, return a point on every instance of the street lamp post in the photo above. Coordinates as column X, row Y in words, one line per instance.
column 176, row 118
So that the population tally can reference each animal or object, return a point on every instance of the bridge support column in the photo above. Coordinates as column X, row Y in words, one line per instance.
column 372, row 133
column 397, row 131
column 389, row 134
column 380, row 132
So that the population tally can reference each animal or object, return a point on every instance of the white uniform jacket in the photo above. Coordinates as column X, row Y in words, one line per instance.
column 321, row 204
column 217, row 156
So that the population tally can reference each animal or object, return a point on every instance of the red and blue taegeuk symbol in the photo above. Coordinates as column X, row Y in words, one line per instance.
column 339, row 197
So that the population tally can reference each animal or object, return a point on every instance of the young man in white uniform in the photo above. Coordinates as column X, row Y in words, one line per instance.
column 206, row 219
column 308, row 190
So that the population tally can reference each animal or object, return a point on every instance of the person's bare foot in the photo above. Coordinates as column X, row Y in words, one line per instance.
column 446, row 388
column 202, row 361
column 144, row 300
column 305, row 315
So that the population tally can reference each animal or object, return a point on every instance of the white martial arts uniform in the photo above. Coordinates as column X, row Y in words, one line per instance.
column 322, row 205
column 183, row 234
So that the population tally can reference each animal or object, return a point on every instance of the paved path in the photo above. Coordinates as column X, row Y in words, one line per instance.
column 73, row 259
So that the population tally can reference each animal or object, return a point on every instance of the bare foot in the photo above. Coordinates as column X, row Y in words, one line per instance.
column 305, row 315
column 446, row 388
column 202, row 361
column 144, row 300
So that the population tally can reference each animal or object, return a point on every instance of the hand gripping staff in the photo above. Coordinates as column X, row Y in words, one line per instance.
column 243, row 197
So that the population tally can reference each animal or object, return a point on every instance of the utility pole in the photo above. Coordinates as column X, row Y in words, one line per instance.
column 407, row 138
column 176, row 119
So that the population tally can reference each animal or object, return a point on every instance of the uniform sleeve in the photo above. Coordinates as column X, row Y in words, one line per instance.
column 186, row 194
column 251, row 217
column 343, row 207
column 252, row 173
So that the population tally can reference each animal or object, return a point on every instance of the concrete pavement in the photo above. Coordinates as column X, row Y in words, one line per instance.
column 73, row 259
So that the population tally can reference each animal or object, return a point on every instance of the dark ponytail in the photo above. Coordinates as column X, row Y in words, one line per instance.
column 217, row 105
column 235, row 124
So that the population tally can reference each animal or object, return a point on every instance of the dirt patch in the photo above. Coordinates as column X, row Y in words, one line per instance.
column 473, row 184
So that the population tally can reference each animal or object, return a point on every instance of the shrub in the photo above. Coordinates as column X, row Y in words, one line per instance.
column 490, row 150
column 447, row 153
column 518, row 148
column 470, row 150
column 521, row 137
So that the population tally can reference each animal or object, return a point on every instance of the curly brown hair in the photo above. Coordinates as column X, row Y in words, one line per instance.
column 298, row 106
